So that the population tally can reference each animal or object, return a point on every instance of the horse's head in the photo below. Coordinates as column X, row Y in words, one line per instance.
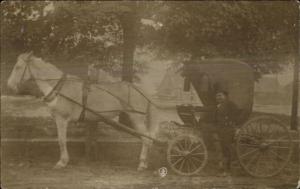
column 20, row 74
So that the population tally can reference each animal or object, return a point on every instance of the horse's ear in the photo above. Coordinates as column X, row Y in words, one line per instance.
column 28, row 55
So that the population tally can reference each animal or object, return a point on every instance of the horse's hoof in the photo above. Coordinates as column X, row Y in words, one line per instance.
column 141, row 168
column 59, row 165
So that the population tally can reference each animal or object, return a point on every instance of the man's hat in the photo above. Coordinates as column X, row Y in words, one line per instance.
column 222, row 91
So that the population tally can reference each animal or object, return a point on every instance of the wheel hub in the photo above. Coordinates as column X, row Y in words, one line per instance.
column 263, row 146
column 185, row 153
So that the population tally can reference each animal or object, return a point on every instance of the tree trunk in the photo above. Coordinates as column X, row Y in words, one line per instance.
column 129, row 24
column 295, row 97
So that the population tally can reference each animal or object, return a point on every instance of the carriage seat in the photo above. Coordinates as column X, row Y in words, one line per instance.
column 187, row 115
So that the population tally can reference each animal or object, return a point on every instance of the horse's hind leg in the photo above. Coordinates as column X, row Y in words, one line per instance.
column 62, row 125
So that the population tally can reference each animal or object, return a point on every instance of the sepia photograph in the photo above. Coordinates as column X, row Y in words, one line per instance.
column 150, row 94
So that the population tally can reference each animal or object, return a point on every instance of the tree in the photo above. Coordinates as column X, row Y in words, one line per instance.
column 263, row 34
column 76, row 32
column 129, row 24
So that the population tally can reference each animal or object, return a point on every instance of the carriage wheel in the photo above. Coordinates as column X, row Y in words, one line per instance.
column 187, row 155
column 264, row 146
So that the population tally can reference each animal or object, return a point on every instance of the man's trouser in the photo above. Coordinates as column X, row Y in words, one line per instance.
column 225, row 136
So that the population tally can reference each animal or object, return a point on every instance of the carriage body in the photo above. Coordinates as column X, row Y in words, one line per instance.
column 209, row 76
column 263, row 141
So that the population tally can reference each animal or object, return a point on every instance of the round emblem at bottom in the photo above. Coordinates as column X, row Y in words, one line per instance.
column 163, row 171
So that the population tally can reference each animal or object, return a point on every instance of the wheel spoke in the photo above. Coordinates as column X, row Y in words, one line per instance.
column 273, row 158
column 181, row 165
column 251, row 160
column 195, row 148
column 276, row 134
column 186, row 145
column 267, row 131
column 257, row 162
column 178, row 160
column 193, row 164
column 188, row 166
column 251, row 138
column 176, row 148
column 278, row 156
column 191, row 145
column 260, row 128
column 196, row 154
column 197, row 159
column 252, row 130
column 248, row 153
column 256, row 130
column 269, row 162
column 176, row 155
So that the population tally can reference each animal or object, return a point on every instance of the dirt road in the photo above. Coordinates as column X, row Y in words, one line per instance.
column 112, row 175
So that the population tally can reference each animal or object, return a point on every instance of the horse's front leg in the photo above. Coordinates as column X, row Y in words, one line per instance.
column 146, row 145
column 62, row 125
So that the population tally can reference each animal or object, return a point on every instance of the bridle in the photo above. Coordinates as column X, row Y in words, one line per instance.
column 24, row 72
column 55, row 90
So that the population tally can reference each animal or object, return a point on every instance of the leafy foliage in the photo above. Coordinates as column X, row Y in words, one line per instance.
column 74, row 31
column 263, row 34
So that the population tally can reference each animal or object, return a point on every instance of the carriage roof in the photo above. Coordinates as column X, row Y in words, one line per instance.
column 235, row 77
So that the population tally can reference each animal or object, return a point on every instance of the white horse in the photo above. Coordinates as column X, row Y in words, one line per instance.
column 109, row 99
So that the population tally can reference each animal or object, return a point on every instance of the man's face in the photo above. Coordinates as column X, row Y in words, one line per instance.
column 220, row 97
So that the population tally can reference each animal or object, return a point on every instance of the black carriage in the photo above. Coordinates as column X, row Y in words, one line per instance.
column 263, row 144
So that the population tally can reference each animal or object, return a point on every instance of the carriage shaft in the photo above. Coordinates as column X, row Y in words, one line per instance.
column 116, row 124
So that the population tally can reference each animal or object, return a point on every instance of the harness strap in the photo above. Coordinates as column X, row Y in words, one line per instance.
column 55, row 90
column 85, row 90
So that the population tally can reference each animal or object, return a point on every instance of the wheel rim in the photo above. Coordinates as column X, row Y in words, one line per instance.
column 264, row 146
column 186, row 155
